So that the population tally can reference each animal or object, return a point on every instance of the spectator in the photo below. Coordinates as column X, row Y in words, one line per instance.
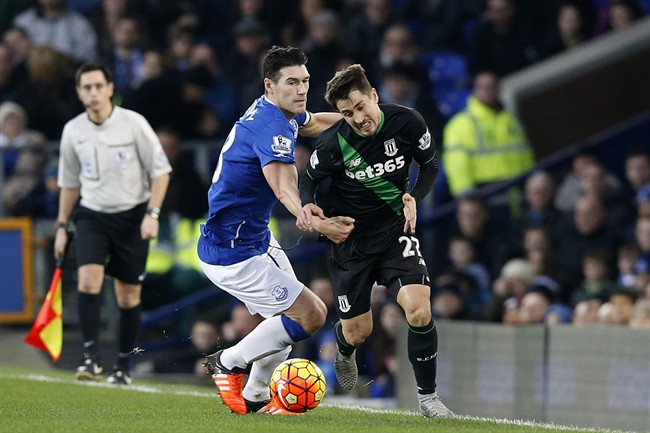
column 622, row 305
column 585, row 231
column 440, row 24
column 616, row 15
column 484, row 143
column 52, row 23
column 462, row 257
column 194, row 118
column 620, row 212
column 11, row 77
column 241, row 323
column 158, row 96
column 399, row 47
column 596, row 281
column 401, row 86
column 367, row 29
column 539, row 210
column 205, row 337
column 173, row 269
column 571, row 30
column 473, row 221
column 126, row 58
column 242, row 66
column 384, row 349
column 45, row 97
column 643, row 201
column 586, row 312
column 507, row 291
column 534, row 307
column 23, row 155
column 106, row 18
column 571, row 188
column 640, row 318
column 324, row 48
column 221, row 95
column 643, row 241
column 500, row 43
column 295, row 32
column 448, row 302
column 628, row 254
column 19, row 43
column 637, row 172
column 43, row 200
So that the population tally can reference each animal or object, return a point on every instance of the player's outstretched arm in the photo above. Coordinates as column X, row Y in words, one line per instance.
column 319, row 122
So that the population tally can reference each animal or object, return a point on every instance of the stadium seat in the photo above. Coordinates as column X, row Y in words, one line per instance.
column 448, row 73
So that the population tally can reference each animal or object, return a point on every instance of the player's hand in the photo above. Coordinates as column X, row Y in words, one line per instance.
column 410, row 213
column 337, row 229
column 60, row 239
column 304, row 220
column 149, row 228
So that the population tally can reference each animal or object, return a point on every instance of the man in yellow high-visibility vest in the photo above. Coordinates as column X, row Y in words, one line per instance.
column 484, row 143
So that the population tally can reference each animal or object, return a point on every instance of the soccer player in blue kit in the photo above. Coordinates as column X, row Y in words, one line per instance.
column 237, row 250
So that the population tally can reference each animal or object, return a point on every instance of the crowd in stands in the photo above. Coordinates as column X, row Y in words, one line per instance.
column 574, row 248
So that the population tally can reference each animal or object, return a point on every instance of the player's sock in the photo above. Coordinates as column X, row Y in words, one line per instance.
column 89, row 308
column 345, row 348
column 423, row 354
column 270, row 336
column 257, row 386
column 129, row 328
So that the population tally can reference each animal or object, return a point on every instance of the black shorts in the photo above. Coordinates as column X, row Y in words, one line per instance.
column 113, row 240
column 391, row 259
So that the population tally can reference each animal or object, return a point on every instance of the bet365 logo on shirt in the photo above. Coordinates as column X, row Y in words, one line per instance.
column 377, row 169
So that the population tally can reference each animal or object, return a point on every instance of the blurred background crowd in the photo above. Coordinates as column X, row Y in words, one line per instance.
column 566, row 246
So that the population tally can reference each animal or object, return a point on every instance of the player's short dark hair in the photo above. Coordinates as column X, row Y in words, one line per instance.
column 280, row 57
column 351, row 78
column 89, row 67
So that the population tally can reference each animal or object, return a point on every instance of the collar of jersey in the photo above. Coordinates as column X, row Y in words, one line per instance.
column 381, row 123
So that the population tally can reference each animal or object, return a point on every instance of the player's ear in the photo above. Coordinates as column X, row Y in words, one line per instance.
column 268, row 86
column 374, row 95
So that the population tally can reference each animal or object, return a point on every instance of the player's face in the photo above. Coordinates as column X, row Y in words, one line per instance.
column 94, row 91
column 361, row 111
column 289, row 94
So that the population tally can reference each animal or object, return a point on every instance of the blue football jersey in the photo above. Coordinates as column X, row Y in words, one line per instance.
column 239, row 198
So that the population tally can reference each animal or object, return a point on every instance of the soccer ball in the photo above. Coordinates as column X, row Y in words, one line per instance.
column 298, row 385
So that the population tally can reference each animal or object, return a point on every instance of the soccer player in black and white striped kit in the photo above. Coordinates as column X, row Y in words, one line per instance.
column 113, row 175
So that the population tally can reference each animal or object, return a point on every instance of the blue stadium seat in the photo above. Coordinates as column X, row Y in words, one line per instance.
column 448, row 73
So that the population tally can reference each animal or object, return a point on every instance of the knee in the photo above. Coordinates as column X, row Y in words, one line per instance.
column 89, row 285
column 314, row 319
column 357, row 336
column 419, row 315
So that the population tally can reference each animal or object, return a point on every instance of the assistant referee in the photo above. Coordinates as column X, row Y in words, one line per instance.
column 113, row 174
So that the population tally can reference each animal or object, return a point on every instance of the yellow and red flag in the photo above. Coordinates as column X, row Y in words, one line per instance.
column 47, row 330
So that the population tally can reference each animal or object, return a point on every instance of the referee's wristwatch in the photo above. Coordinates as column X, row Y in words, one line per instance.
column 153, row 212
column 62, row 225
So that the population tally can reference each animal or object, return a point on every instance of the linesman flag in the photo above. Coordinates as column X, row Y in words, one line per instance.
column 47, row 331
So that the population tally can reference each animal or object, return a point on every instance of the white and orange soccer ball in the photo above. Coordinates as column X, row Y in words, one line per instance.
column 298, row 385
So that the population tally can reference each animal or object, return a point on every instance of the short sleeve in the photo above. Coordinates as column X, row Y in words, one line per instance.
column 69, row 166
column 275, row 143
column 424, row 147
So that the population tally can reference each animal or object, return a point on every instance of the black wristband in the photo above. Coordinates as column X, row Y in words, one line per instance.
column 153, row 212
column 62, row 225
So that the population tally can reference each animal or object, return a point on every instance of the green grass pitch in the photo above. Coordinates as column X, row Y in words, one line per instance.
column 53, row 402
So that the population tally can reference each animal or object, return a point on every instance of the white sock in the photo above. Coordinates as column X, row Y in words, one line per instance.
column 267, row 338
column 257, row 387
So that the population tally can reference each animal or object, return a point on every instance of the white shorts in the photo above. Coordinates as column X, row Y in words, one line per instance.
column 266, row 284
